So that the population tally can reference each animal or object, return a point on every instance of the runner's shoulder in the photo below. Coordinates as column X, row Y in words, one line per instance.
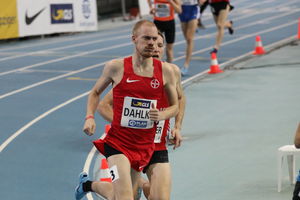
column 115, row 64
column 176, row 69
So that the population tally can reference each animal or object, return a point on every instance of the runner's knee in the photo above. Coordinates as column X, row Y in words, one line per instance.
column 220, row 26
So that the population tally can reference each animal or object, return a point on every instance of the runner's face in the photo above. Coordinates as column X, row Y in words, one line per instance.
column 159, row 48
column 145, row 40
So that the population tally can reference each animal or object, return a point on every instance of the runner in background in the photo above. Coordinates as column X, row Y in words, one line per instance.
column 189, row 19
column 220, row 10
column 163, row 13
column 202, row 8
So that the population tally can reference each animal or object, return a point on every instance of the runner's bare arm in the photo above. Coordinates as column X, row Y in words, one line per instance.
column 105, row 107
column 177, row 5
column 111, row 74
column 152, row 9
column 176, row 131
column 181, row 99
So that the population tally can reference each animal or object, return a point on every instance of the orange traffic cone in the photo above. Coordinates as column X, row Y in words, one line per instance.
column 298, row 30
column 107, row 127
column 104, row 171
column 259, row 50
column 214, row 67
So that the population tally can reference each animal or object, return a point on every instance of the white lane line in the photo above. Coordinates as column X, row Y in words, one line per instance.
column 89, row 159
column 178, row 58
column 62, row 39
column 52, row 79
column 48, row 41
column 44, row 71
column 66, row 58
column 21, row 130
column 64, row 47
column 87, row 166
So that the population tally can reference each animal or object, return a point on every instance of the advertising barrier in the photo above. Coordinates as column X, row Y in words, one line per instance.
column 33, row 16
column 8, row 19
column 20, row 18
column 86, row 15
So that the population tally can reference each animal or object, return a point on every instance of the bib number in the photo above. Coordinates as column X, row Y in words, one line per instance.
column 162, row 10
column 114, row 174
column 135, row 113
column 159, row 131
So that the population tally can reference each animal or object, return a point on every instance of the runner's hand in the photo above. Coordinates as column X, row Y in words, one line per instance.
column 89, row 127
column 154, row 113
column 152, row 11
column 177, row 138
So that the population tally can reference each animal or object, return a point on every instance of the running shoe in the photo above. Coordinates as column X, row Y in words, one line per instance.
column 214, row 50
column 184, row 71
column 230, row 29
column 79, row 193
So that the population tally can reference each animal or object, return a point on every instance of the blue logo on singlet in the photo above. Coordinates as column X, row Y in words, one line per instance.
column 138, row 103
column 137, row 123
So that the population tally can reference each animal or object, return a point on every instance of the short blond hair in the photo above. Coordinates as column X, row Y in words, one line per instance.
column 139, row 24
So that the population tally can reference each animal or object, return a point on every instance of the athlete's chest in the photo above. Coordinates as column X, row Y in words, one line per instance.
column 138, row 84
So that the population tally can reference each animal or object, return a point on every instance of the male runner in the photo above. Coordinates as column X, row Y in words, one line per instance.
column 158, row 170
column 138, row 84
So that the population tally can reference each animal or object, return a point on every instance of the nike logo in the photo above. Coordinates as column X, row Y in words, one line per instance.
column 29, row 20
column 131, row 81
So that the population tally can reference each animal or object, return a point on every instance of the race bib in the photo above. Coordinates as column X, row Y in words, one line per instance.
column 135, row 113
column 162, row 10
column 159, row 131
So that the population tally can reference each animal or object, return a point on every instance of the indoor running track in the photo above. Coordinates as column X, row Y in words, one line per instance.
column 45, row 82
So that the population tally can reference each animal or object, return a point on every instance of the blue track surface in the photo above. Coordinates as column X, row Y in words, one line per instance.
column 43, row 148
